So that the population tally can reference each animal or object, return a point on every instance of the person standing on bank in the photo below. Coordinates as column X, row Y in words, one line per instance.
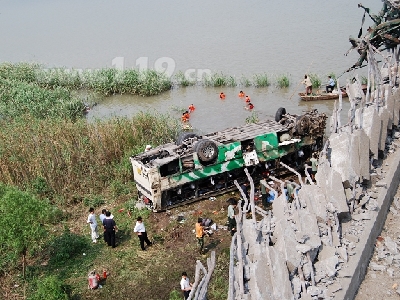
column 200, row 234
column 231, row 216
column 110, row 228
column 314, row 165
column 186, row 286
column 307, row 82
column 141, row 233
column 91, row 220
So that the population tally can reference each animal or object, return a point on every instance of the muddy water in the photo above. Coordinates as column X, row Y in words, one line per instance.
column 236, row 37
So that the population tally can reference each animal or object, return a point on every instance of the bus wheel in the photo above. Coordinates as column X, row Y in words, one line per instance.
column 279, row 114
column 207, row 150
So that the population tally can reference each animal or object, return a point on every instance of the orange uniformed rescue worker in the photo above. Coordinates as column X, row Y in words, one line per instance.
column 241, row 94
column 185, row 117
column 191, row 108
column 222, row 95
column 247, row 99
column 200, row 234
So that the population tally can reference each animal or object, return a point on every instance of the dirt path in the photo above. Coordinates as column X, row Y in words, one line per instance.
column 382, row 280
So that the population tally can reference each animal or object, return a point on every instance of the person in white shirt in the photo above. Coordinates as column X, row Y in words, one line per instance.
column 141, row 233
column 91, row 220
column 103, row 215
column 186, row 286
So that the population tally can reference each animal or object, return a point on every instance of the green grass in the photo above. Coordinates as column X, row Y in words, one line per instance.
column 261, row 80
column 282, row 81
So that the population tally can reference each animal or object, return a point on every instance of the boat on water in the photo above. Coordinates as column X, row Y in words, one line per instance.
column 328, row 96
column 322, row 96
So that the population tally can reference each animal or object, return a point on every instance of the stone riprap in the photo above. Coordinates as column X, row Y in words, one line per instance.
column 320, row 249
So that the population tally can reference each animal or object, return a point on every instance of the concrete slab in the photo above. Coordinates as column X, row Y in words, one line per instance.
column 315, row 201
column 340, row 154
column 384, row 117
column 372, row 127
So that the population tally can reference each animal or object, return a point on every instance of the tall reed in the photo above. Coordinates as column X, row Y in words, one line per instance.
column 282, row 81
column 19, row 98
column 261, row 80
column 106, row 81
column 77, row 158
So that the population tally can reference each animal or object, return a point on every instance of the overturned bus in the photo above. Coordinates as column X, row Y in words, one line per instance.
column 199, row 166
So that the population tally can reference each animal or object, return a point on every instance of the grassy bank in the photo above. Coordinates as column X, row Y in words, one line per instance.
column 72, row 160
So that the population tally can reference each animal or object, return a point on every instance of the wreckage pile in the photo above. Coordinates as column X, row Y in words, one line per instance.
column 304, row 249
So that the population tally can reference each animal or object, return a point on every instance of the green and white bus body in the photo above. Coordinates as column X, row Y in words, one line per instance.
column 196, row 167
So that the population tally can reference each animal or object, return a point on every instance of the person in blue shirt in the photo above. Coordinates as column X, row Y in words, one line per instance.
column 331, row 85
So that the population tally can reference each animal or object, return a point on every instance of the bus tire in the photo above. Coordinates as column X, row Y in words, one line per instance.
column 279, row 114
column 207, row 151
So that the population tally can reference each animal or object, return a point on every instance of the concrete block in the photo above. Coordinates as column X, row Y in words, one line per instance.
column 306, row 224
column 281, row 283
column 326, row 252
column 286, row 244
column 315, row 201
column 279, row 207
column 340, row 154
column 384, row 117
column 335, row 193
column 396, row 108
column 390, row 104
column 261, row 270
column 361, row 142
column 372, row 127
column 327, row 267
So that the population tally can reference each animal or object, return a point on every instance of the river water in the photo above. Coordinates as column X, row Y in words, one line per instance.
column 238, row 38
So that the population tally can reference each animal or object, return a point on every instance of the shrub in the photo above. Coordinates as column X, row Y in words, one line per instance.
column 175, row 295
column 93, row 201
column 49, row 288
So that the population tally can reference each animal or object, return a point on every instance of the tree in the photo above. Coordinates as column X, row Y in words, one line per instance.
column 22, row 218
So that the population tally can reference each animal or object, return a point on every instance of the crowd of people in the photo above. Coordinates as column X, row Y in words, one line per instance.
column 268, row 189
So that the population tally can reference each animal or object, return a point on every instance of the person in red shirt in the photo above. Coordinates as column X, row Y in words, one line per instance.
column 191, row 108
column 247, row 99
column 222, row 95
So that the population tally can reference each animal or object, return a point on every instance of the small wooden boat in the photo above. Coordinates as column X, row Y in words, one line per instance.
column 328, row 96
column 322, row 96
